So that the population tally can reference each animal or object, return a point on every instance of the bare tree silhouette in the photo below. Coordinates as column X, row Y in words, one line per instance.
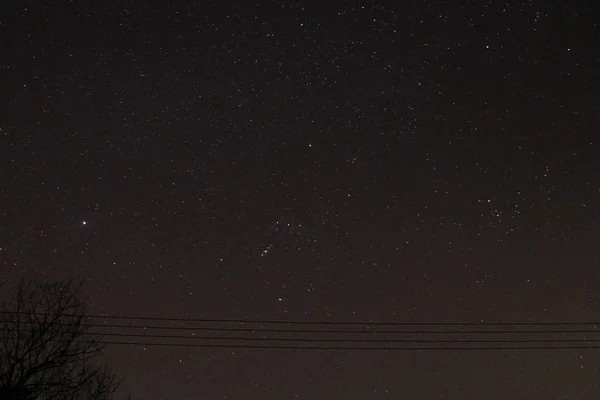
column 46, row 349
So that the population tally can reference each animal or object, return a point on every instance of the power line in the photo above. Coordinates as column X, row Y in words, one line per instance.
column 334, row 344
column 458, row 341
column 319, row 340
column 333, row 323
column 244, row 346
column 333, row 331
column 339, row 331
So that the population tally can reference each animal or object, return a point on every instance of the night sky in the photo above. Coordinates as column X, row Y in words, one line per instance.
column 361, row 161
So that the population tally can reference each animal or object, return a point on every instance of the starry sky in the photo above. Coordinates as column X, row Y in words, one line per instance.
column 416, row 161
